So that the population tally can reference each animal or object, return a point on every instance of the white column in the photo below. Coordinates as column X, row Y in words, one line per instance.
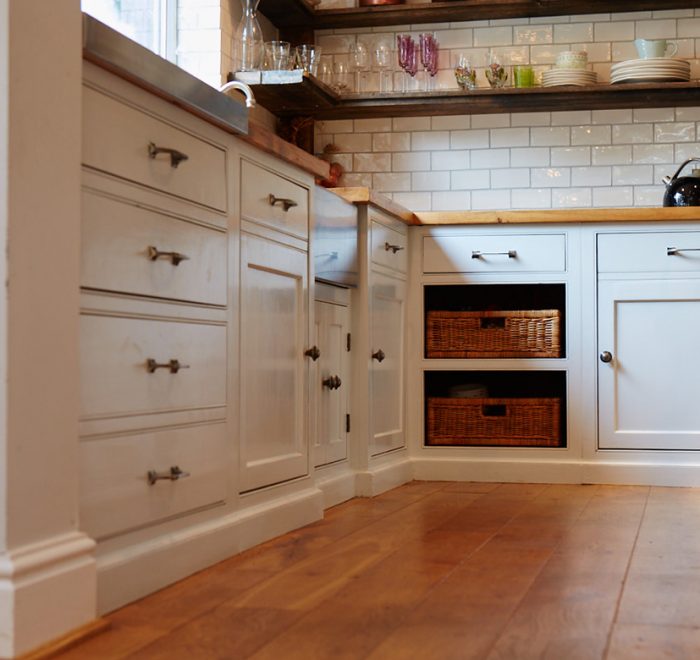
column 47, row 569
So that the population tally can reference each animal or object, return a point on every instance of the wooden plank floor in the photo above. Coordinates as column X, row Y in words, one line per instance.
column 444, row 570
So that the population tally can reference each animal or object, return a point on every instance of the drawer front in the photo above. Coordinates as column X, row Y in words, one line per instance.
column 474, row 253
column 389, row 247
column 116, row 494
column 115, row 378
column 649, row 252
column 272, row 200
column 130, row 249
column 116, row 139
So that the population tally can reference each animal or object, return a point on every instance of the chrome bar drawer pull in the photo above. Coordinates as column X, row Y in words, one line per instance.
column 173, row 365
column 173, row 474
column 511, row 254
column 176, row 157
column 175, row 257
column 670, row 251
column 284, row 202
column 394, row 248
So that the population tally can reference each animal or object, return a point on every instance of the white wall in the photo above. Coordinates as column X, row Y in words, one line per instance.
column 557, row 159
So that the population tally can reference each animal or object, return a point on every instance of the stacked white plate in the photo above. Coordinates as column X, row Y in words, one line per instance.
column 562, row 76
column 654, row 69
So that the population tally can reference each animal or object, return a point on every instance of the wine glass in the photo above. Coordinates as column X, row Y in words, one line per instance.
column 359, row 63
column 428, row 57
column 408, row 60
column 381, row 62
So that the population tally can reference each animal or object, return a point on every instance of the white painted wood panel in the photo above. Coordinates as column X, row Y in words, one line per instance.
column 274, row 370
column 125, row 152
column 116, row 238
column 647, row 252
column 388, row 247
column 115, row 494
column 454, row 253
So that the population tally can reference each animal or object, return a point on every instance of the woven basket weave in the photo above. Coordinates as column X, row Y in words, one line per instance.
column 500, row 422
column 499, row 334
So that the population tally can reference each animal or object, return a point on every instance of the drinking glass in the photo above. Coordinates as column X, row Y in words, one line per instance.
column 495, row 72
column 342, row 76
column 428, row 58
column 359, row 63
column 325, row 70
column 408, row 57
column 307, row 57
column 381, row 62
column 277, row 55
column 465, row 73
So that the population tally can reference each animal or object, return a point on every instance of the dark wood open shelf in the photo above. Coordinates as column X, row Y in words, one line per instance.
column 301, row 14
column 314, row 99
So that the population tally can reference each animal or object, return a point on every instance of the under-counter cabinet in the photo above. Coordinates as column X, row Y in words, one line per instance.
column 648, row 330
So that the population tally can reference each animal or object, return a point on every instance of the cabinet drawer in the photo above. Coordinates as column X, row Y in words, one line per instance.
column 649, row 252
column 115, row 492
column 272, row 200
column 115, row 379
column 388, row 247
column 116, row 139
column 481, row 253
column 120, row 247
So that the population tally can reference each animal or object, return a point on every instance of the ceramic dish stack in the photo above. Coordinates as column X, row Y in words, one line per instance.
column 653, row 69
column 561, row 76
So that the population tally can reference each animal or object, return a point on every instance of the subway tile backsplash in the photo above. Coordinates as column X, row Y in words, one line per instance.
column 565, row 158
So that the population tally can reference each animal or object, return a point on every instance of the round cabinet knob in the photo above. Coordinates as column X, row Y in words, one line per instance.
column 378, row 355
column 606, row 356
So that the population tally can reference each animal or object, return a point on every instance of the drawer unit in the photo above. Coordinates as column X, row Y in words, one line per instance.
column 483, row 253
column 117, row 494
column 677, row 252
column 147, row 150
column 129, row 249
column 388, row 246
column 116, row 379
column 269, row 199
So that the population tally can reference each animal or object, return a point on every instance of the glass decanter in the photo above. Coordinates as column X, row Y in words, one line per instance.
column 248, row 39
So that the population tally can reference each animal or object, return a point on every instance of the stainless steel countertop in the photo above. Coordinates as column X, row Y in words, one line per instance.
column 111, row 50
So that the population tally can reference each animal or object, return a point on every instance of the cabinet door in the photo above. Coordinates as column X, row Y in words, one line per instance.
column 332, row 327
column 274, row 371
column 387, row 304
column 648, row 390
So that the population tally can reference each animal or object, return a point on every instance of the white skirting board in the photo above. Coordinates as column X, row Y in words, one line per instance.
column 337, row 487
column 385, row 476
column 131, row 573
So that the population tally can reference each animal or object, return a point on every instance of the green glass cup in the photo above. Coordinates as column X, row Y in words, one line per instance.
column 523, row 76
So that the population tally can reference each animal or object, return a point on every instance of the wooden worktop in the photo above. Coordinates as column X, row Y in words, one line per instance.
column 361, row 195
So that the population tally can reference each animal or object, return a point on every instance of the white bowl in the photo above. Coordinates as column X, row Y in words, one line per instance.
column 570, row 59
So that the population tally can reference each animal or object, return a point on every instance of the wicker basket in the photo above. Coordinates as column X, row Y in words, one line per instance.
column 499, row 422
column 500, row 334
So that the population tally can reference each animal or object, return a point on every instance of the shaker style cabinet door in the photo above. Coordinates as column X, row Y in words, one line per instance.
column 387, row 310
column 648, row 364
column 332, row 382
column 274, row 369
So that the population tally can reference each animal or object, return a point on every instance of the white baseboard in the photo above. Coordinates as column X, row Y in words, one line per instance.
column 384, row 476
column 337, row 487
column 127, row 574
column 46, row 588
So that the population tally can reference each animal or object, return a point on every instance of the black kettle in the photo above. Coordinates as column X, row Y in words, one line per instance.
column 683, row 191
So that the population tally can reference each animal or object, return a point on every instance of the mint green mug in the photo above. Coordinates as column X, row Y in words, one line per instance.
column 648, row 48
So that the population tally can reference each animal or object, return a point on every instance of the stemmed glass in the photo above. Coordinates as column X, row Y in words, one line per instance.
column 381, row 61
column 408, row 56
column 359, row 63
column 429, row 57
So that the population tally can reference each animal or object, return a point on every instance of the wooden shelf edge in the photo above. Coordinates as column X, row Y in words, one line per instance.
column 361, row 195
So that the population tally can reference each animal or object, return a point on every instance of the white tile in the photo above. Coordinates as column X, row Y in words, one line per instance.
column 571, row 118
column 413, row 201
column 684, row 150
column 686, row 50
column 321, row 140
column 472, row 139
column 623, row 50
column 530, row 157
column 470, row 180
column 591, row 176
column 595, row 18
column 411, row 123
column 353, row 142
column 550, row 136
column 491, row 121
column 652, row 154
column 531, row 119
column 630, row 16
column 540, row 20
column 614, row 31
column 489, row 158
column 452, row 201
column 672, row 13
column 355, row 180
column 372, row 163
column 450, row 160
column 546, row 54
column 656, row 29
column 597, row 52
column 618, row 155
column 573, row 32
column 660, row 171
column 590, row 135
column 649, row 115
column 689, row 27
column 410, row 162
column 633, row 134
column 335, row 43
column 485, row 200
column 648, row 195
column 510, row 178
column 391, row 182
column 613, row 197
column 571, row 156
column 632, row 175
column 460, row 38
column 571, row 198
column 493, row 36
column 335, row 126
column 451, row 123
column 550, row 177
column 494, row 22
column 612, row 117
column 373, row 125
column 391, row 142
column 531, row 198
column 677, row 132
column 430, row 181
column 510, row 137
column 430, row 140
column 533, row 34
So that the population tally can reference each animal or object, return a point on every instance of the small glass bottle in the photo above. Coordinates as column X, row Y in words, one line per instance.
column 248, row 39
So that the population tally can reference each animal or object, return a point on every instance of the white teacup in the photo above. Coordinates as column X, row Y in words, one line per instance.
column 648, row 48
